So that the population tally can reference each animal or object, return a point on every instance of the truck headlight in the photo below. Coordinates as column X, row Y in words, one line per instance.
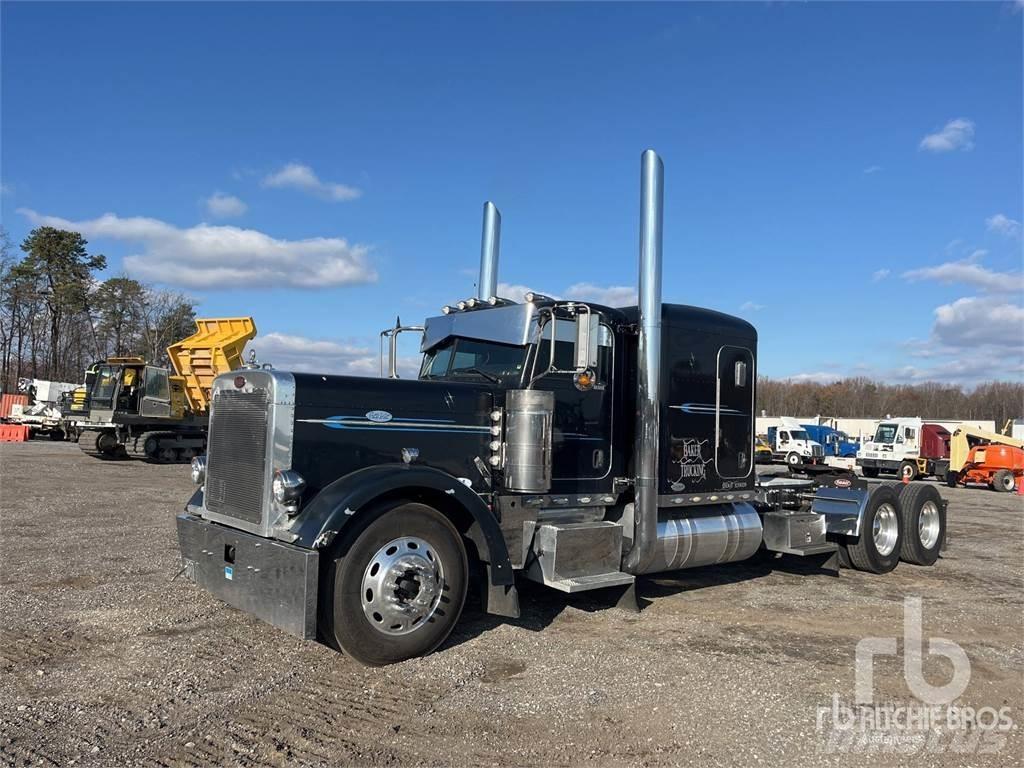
column 199, row 470
column 287, row 486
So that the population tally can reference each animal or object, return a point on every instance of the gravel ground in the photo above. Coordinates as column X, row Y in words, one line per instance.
column 105, row 660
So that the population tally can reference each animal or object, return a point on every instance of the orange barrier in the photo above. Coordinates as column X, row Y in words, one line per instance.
column 13, row 433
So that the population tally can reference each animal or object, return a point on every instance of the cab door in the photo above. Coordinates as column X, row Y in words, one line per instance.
column 583, row 424
column 156, row 398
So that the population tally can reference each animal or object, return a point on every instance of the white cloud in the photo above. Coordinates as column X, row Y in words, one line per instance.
column 751, row 306
column 207, row 256
column 6, row 189
column 879, row 275
column 223, row 206
column 970, row 272
column 302, row 177
column 305, row 355
column 973, row 321
column 872, row 169
column 956, row 134
column 818, row 377
column 610, row 296
column 1003, row 224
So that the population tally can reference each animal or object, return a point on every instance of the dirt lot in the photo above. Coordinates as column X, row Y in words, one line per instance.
column 105, row 660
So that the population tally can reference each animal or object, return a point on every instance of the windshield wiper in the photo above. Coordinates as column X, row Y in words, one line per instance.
column 488, row 376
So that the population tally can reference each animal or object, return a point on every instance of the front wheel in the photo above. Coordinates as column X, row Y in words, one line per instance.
column 1002, row 481
column 397, row 587
column 877, row 549
column 794, row 461
column 908, row 471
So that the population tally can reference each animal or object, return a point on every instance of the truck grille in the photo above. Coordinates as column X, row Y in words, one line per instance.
column 817, row 450
column 237, row 449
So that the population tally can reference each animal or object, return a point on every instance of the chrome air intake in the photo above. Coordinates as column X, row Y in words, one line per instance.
column 648, row 396
column 529, row 418
column 490, row 243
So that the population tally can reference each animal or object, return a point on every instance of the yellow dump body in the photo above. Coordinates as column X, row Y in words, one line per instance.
column 965, row 438
column 215, row 347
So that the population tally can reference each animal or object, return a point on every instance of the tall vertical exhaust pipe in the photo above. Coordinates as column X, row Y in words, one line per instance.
column 490, row 243
column 648, row 396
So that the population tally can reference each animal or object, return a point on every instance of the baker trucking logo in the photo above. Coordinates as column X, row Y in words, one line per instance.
column 935, row 721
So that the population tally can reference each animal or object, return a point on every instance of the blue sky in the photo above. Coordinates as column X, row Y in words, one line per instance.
column 845, row 176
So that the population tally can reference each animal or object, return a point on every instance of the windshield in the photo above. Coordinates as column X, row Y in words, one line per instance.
column 104, row 384
column 886, row 433
column 471, row 358
column 798, row 434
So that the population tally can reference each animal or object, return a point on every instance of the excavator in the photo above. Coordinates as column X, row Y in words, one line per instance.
column 131, row 409
column 977, row 456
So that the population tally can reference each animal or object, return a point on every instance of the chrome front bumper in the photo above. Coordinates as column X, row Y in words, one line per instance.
column 275, row 582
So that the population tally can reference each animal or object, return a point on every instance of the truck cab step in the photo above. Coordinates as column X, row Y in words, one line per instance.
column 595, row 581
column 574, row 557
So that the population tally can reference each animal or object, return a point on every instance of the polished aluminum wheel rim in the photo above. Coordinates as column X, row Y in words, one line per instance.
column 928, row 524
column 402, row 586
column 885, row 529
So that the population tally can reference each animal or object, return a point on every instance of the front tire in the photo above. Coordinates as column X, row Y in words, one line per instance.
column 877, row 549
column 397, row 587
column 908, row 471
column 923, row 524
column 1003, row 481
column 794, row 460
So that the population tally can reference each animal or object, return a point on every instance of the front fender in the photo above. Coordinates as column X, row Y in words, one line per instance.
column 320, row 522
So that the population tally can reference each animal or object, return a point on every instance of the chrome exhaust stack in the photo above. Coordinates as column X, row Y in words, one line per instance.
column 645, row 453
column 490, row 243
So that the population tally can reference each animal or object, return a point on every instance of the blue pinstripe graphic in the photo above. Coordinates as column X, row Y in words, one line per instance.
column 396, row 425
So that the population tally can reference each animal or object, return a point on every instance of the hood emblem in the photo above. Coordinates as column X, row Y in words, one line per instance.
column 380, row 417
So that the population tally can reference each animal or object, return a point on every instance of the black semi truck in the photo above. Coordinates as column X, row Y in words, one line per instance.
column 575, row 445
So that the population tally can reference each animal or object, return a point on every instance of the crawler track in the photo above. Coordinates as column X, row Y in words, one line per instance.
column 169, row 447
column 88, row 443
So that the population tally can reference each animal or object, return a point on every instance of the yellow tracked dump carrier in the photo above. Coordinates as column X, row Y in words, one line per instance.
column 148, row 412
column 215, row 347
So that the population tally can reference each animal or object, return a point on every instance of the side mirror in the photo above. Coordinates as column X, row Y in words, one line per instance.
column 586, row 341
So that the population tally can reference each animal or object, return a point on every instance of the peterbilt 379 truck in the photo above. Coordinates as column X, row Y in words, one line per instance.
column 571, row 444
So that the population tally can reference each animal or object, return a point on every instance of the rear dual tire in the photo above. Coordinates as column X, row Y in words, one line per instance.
column 877, row 549
column 916, row 510
column 924, row 524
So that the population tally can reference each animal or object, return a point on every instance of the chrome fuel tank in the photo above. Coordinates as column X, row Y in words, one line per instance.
column 722, row 533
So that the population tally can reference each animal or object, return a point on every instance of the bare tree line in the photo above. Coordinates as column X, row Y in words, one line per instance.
column 863, row 398
column 56, row 318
